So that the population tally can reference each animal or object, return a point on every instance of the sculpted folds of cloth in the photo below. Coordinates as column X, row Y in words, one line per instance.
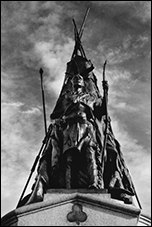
column 72, row 158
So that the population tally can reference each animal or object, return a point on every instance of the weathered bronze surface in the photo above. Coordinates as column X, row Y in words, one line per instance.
column 74, row 156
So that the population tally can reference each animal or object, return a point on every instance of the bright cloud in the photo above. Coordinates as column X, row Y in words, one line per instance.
column 19, row 149
column 54, row 58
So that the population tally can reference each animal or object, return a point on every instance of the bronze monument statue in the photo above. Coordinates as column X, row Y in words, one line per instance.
column 81, row 150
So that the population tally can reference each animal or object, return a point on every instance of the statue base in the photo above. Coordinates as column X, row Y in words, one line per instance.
column 73, row 207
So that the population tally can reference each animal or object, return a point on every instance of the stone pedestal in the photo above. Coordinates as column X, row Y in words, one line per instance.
column 72, row 208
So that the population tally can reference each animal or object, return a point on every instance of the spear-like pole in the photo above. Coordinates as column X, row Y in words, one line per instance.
column 32, row 170
column 78, row 41
column 43, row 145
column 78, row 35
column 106, row 115
column 139, row 204
column 83, row 23
column 43, row 99
column 106, row 126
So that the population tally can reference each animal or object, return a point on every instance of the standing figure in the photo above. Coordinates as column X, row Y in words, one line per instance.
column 76, row 163
column 81, row 149
column 73, row 156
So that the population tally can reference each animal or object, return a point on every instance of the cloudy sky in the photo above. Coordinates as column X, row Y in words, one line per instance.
column 38, row 34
